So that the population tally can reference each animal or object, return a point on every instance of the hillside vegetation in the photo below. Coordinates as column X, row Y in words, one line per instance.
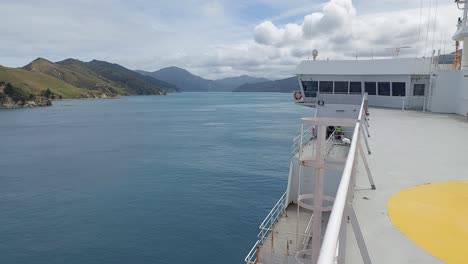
column 36, row 82
column 11, row 96
column 283, row 86
column 75, row 74
column 76, row 79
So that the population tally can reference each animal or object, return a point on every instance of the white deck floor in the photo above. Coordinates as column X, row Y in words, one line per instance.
column 285, row 231
column 408, row 148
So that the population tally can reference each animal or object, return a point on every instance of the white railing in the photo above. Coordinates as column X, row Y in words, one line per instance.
column 307, row 135
column 330, row 142
column 275, row 213
column 413, row 102
column 253, row 254
column 266, row 227
column 329, row 248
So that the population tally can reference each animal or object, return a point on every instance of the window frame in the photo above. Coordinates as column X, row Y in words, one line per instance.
column 341, row 82
column 423, row 90
column 320, row 87
column 311, row 92
column 380, row 87
column 404, row 89
column 374, row 84
column 350, row 87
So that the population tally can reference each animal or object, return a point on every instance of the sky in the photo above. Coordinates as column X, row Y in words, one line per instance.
column 222, row 38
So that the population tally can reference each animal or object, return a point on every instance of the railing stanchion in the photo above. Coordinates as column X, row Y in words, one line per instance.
column 358, row 234
column 424, row 104
column 257, row 259
column 366, row 166
column 366, row 127
column 365, row 141
column 342, row 240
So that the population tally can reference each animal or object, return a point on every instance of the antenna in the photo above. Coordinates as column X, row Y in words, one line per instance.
column 428, row 26
column 435, row 24
column 397, row 50
column 315, row 54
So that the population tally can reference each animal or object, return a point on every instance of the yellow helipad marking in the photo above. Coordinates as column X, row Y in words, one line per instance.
column 435, row 217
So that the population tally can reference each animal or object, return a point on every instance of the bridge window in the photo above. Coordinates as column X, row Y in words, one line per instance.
column 326, row 87
column 398, row 89
column 384, row 88
column 419, row 89
column 355, row 88
column 370, row 88
column 310, row 88
column 341, row 87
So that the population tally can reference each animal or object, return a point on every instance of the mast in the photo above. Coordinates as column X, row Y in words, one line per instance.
column 462, row 32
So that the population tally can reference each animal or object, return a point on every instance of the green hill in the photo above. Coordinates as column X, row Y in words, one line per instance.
column 72, row 78
column 75, row 74
column 36, row 82
column 133, row 82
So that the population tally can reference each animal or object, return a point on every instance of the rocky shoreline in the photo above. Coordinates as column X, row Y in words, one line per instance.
column 13, row 97
column 35, row 102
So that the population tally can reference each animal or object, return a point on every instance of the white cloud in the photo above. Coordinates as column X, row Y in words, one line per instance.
column 209, row 38
column 339, row 31
column 267, row 33
column 213, row 8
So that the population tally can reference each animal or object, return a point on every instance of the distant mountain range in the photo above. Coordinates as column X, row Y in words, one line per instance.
column 188, row 82
column 72, row 78
column 283, row 86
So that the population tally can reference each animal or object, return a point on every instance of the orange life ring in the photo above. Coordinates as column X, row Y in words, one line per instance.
column 297, row 95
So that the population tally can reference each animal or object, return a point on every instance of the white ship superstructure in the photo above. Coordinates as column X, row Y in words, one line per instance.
column 335, row 207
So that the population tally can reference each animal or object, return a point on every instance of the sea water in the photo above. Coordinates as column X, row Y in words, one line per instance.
column 184, row 178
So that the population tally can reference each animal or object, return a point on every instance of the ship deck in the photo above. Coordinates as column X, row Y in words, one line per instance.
column 285, row 241
column 408, row 148
column 290, row 233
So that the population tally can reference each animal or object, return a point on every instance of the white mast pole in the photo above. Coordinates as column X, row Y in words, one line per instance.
column 462, row 33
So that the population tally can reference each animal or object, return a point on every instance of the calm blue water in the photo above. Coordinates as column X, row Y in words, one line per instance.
column 185, row 178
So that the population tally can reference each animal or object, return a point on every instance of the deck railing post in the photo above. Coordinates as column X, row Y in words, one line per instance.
column 366, row 166
column 365, row 141
column 365, row 126
column 424, row 104
column 257, row 259
column 342, row 239
column 358, row 235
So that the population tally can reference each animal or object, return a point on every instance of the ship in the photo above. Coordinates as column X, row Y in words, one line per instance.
column 378, row 172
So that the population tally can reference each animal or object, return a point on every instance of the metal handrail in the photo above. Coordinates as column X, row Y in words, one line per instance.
column 272, row 217
column 307, row 232
column 251, row 258
column 266, row 227
column 307, row 135
column 330, row 241
column 329, row 143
